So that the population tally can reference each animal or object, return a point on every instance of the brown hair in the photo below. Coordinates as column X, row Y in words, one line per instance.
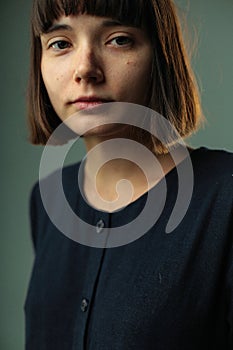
column 174, row 93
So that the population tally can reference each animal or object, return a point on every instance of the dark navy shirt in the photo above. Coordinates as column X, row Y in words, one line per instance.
column 161, row 291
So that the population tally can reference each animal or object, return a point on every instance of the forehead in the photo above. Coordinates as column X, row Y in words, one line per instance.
column 69, row 22
column 129, row 12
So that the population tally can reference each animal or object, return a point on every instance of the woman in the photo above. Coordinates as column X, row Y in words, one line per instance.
column 96, row 61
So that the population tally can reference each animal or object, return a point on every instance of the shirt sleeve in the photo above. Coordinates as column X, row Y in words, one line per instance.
column 33, row 216
column 229, row 291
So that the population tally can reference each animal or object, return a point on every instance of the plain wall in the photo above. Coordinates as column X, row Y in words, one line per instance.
column 212, row 62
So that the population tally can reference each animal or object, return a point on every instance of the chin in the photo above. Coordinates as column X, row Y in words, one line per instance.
column 108, row 131
column 104, row 121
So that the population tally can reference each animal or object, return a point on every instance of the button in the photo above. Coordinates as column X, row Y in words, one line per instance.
column 84, row 305
column 99, row 226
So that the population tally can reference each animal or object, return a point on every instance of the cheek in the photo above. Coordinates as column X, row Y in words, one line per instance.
column 46, row 76
column 130, row 71
column 139, row 76
column 131, row 64
column 58, row 80
column 139, row 72
column 52, row 75
column 53, row 79
column 140, row 65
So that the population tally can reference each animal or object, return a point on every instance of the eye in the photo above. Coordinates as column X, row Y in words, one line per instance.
column 121, row 41
column 60, row 45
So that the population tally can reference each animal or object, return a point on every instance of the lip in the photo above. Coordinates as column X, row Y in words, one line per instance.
column 86, row 102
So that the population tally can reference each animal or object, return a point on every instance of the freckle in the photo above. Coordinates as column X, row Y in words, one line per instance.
column 132, row 63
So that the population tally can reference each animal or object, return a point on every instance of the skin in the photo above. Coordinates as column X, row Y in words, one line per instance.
column 94, row 56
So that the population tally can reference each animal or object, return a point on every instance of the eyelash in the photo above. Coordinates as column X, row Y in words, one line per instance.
column 129, row 40
column 52, row 45
column 68, row 45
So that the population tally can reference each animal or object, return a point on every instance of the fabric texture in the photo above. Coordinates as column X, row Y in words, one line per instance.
column 162, row 291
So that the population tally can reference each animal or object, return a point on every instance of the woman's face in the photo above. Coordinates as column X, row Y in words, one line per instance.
column 89, row 60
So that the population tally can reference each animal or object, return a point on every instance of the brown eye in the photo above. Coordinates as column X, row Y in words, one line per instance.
column 121, row 41
column 60, row 45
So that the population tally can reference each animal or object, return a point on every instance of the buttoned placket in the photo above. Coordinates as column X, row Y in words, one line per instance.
column 99, row 226
column 102, row 220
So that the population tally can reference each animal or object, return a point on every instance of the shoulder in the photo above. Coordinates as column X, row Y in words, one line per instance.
column 48, row 200
column 65, row 178
column 213, row 183
column 215, row 158
column 66, row 173
column 213, row 165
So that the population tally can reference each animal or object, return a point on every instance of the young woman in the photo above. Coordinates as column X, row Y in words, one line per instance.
column 114, row 278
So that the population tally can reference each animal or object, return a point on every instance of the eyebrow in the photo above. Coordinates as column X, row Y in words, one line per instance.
column 58, row 27
column 106, row 23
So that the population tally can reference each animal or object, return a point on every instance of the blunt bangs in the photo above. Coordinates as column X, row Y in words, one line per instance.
column 172, row 90
column 128, row 12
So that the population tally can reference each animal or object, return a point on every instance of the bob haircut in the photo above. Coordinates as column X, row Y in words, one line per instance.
column 173, row 90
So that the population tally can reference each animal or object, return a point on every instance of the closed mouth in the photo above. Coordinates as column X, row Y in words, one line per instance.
column 89, row 102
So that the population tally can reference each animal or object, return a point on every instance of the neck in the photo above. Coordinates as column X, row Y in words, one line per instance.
column 112, row 182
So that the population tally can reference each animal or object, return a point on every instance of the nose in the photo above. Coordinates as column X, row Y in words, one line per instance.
column 88, row 67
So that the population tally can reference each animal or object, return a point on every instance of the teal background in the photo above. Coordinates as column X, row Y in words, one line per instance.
column 212, row 61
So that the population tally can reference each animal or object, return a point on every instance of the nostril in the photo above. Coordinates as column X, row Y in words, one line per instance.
column 86, row 74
